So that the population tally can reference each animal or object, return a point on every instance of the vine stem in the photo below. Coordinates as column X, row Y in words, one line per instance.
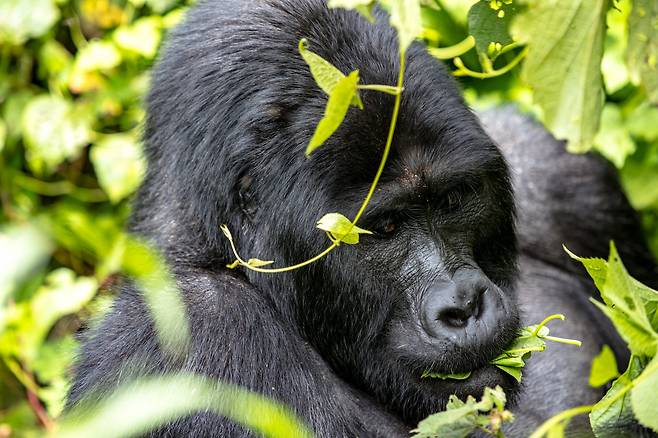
column 465, row 71
column 389, row 140
column 366, row 201
column 564, row 415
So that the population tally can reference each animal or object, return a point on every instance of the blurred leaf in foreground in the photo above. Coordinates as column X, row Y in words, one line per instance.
column 54, row 130
column 613, row 140
column 24, row 19
column 643, row 46
column 138, row 407
column 119, row 165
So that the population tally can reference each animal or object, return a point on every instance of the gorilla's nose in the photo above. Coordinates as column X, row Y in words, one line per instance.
column 460, row 308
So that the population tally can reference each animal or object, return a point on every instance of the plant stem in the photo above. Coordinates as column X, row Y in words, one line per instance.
column 465, row 71
column 453, row 51
column 389, row 140
column 564, row 415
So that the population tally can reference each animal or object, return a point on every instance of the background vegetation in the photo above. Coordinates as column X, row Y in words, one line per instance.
column 72, row 75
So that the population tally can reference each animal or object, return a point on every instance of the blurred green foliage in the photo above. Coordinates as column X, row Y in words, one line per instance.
column 72, row 76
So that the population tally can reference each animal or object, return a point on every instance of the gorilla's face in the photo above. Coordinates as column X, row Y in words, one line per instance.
column 432, row 288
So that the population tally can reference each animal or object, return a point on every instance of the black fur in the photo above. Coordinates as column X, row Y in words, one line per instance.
column 231, row 109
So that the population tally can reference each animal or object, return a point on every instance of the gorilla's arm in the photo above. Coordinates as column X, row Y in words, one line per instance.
column 576, row 200
column 564, row 198
column 237, row 337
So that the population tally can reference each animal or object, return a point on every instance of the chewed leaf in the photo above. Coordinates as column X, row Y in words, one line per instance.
column 325, row 74
column 341, row 228
column 453, row 376
column 337, row 106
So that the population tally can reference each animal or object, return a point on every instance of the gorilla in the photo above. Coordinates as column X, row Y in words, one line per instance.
column 468, row 220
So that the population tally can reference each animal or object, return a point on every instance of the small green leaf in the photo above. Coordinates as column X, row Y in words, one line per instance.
column 337, row 106
column 141, row 37
column 119, row 165
column 453, row 376
column 604, row 368
column 406, row 19
column 325, row 74
column 487, row 26
column 54, row 130
column 363, row 7
column 258, row 262
column 24, row 19
column 341, row 228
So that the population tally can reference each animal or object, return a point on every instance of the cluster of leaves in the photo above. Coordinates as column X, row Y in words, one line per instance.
column 531, row 339
column 72, row 74
column 460, row 418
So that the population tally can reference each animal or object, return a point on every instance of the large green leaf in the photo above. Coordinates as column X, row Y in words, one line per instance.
column 643, row 46
column 54, row 130
column 119, row 165
column 24, row 19
column 563, row 66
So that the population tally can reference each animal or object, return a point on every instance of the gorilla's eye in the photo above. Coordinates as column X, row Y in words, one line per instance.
column 389, row 228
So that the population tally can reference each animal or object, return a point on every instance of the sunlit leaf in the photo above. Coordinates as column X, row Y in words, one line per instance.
column 341, row 228
column 405, row 18
column 325, row 74
column 604, row 368
column 563, row 65
column 147, row 404
column 24, row 19
column 363, row 7
column 337, row 106
column 119, row 165
column 643, row 46
column 141, row 37
column 54, row 130
column 97, row 55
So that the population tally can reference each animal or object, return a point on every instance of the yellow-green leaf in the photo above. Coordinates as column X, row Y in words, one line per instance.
column 119, row 165
column 405, row 18
column 341, row 228
column 604, row 368
column 325, row 74
column 337, row 106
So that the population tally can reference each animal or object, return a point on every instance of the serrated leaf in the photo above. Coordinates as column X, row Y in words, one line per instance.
column 453, row 423
column 363, row 7
column 607, row 419
column 341, row 228
column 337, row 106
column 597, row 268
column 604, row 368
column 54, row 130
column 406, row 19
column 489, row 25
column 119, row 165
column 642, row 53
column 563, row 65
column 21, row 20
column 643, row 396
column 325, row 74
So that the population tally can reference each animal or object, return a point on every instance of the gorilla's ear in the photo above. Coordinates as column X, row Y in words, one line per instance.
column 246, row 197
